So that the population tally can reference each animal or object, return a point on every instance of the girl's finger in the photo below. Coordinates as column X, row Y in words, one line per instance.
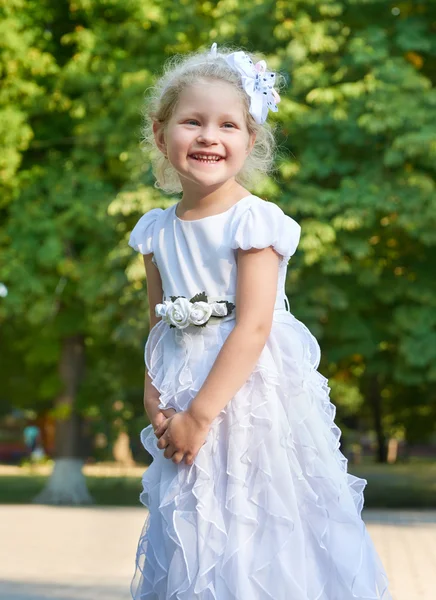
column 189, row 459
column 177, row 457
column 162, row 442
column 159, row 418
column 169, row 451
column 160, row 430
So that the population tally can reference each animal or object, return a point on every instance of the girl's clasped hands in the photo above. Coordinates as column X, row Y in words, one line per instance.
column 181, row 435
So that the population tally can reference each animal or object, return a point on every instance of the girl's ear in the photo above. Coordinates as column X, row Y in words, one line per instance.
column 251, row 143
column 159, row 137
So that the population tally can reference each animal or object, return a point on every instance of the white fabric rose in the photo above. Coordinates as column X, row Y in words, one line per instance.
column 182, row 312
column 219, row 309
column 178, row 313
column 200, row 313
column 161, row 309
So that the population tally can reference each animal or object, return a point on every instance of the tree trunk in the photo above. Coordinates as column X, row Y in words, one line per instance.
column 375, row 400
column 121, row 451
column 392, row 455
column 67, row 484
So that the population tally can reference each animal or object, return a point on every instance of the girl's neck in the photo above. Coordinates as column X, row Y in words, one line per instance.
column 201, row 202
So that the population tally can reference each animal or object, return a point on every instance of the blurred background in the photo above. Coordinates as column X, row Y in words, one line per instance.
column 356, row 168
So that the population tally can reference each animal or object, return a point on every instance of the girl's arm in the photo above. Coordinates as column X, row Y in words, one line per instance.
column 255, row 300
column 155, row 293
column 154, row 287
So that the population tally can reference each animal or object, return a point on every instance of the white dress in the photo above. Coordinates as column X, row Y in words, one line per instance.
column 268, row 510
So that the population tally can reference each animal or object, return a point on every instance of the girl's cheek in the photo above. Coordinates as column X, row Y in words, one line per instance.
column 184, row 140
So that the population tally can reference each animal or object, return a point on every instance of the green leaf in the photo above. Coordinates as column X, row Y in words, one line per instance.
column 200, row 297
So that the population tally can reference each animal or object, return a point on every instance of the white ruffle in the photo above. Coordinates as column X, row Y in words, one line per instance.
column 261, row 224
column 268, row 510
column 141, row 237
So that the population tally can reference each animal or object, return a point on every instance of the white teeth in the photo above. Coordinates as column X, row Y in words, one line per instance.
column 204, row 158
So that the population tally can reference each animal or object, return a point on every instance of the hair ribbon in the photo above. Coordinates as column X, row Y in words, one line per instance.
column 256, row 80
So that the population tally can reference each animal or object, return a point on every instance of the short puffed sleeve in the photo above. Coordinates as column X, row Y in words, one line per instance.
column 141, row 238
column 261, row 224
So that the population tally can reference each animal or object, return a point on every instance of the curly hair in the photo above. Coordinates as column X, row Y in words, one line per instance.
column 181, row 71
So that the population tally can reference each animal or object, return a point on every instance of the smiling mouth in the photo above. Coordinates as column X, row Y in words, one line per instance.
column 201, row 158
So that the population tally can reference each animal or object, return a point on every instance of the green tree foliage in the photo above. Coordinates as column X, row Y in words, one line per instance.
column 356, row 169
column 65, row 254
column 359, row 123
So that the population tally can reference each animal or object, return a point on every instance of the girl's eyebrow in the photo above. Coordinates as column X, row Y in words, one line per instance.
column 224, row 117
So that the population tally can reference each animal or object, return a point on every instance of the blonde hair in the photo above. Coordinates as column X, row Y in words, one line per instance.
column 181, row 71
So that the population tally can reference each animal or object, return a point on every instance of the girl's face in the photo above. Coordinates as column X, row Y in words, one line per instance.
column 206, row 139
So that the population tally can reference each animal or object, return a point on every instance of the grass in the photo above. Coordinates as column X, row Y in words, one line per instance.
column 106, row 491
column 411, row 485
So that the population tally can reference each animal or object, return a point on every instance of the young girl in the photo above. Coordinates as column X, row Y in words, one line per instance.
column 248, row 494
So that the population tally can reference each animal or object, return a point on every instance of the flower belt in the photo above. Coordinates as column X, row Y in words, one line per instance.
column 180, row 312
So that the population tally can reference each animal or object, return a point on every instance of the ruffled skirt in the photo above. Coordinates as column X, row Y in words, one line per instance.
column 268, row 510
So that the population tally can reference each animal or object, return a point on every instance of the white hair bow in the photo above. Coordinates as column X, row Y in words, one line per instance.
column 256, row 81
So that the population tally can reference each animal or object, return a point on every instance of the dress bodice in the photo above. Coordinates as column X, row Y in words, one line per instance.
column 201, row 255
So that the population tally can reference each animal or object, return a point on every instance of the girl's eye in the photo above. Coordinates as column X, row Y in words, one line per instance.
column 195, row 122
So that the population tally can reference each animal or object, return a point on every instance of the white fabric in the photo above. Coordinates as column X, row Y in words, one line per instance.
column 141, row 238
column 197, row 256
column 268, row 510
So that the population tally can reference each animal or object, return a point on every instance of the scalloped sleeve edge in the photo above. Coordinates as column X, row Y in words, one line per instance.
column 267, row 226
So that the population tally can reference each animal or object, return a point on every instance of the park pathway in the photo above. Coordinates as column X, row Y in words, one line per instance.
column 51, row 553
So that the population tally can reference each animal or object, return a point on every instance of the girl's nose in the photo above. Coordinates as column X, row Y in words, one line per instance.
column 207, row 136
